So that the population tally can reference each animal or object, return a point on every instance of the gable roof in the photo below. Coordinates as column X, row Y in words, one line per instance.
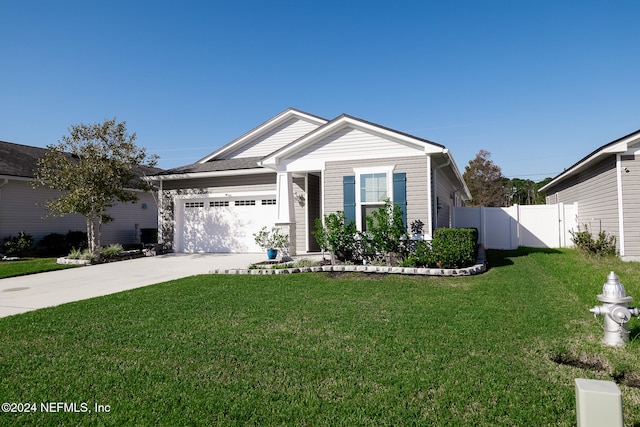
column 345, row 120
column 19, row 161
column 265, row 127
column 620, row 145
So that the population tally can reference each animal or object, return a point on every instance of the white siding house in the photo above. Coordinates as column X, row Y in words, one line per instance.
column 21, row 205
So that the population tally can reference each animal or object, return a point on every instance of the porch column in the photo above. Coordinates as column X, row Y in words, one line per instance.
column 286, row 219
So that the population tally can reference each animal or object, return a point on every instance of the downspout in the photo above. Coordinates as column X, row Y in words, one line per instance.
column 434, row 196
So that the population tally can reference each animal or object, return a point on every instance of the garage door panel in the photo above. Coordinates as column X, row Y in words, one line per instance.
column 218, row 227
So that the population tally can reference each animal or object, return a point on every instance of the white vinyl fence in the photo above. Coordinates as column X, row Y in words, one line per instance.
column 538, row 226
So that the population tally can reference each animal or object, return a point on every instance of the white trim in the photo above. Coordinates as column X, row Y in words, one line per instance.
column 616, row 147
column 388, row 170
column 620, row 204
column 306, row 213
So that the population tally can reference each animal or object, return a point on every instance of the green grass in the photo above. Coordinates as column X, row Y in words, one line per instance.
column 29, row 266
column 327, row 349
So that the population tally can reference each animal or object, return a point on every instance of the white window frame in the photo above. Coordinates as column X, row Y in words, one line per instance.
column 388, row 170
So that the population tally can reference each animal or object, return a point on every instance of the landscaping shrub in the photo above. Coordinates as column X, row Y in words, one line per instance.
column 112, row 251
column 386, row 232
column 336, row 236
column 58, row 244
column 604, row 245
column 54, row 244
column 17, row 246
column 77, row 239
column 454, row 247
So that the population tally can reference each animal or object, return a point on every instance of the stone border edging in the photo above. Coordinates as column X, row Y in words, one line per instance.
column 467, row 271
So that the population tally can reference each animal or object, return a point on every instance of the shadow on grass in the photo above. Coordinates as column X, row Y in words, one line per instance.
column 502, row 258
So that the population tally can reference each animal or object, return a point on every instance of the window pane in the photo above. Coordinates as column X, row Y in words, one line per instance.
column 367, row 211
column 373, row 187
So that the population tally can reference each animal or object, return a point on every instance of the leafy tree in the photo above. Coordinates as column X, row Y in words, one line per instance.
column 93, row 168
column 485, row 181
column 525, row 191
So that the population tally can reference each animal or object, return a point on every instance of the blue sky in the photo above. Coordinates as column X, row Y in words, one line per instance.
column 539, row 84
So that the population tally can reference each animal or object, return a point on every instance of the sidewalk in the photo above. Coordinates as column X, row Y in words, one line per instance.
column 31, row 292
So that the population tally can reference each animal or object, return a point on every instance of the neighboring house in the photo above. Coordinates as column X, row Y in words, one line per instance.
column 606, row 186
column 297, row 167
column 21, row 206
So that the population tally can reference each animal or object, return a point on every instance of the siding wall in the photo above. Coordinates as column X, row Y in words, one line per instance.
column 314, row 209
column 443, row 192
column 274, row 139
column 595, row 191
column 20, row 209
column 258, row 182
column 300, row 214
column 416, row 169
column 347, row 144
column 631, row 203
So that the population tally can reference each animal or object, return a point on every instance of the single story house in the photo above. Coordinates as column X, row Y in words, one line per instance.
column 21, row 205
column 297, row 167
column 606, row 187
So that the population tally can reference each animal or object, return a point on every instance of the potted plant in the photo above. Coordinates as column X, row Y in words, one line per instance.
column 416, row 229
column 271, row 240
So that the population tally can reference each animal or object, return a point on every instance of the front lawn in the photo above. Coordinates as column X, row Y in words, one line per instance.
column 502, row 348
column 29, row 266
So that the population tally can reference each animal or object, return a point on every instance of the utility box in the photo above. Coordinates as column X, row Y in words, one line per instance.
column 598, row 403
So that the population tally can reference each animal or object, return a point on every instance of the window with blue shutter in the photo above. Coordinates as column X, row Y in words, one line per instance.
column 373, row 192
column 349, row 195
column 400, row 193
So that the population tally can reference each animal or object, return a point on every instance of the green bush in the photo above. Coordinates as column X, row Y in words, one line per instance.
column 604, row 245
column 386, row 231
column 336, row 236
column 58, row 244
column 454, row 247
column 420, row 256
column 112, row 251
column 17, row 246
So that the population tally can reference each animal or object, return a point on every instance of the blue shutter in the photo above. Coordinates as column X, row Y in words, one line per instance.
column 400, row 193
column 349, row 194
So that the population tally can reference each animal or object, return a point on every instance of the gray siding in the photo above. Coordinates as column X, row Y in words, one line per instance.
column 258, row 182
column 21, row 209
column 416, row 169
column 445, row 201
column 300, row 214
column 314, row 209
column 631, row 204
column 595, row 190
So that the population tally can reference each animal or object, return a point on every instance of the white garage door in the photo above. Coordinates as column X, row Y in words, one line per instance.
column 224, row 224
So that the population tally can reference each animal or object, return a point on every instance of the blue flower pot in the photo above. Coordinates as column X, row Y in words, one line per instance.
column 272, row 253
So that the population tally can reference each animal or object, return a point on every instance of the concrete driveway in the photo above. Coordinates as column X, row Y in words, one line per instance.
column 26, row 293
